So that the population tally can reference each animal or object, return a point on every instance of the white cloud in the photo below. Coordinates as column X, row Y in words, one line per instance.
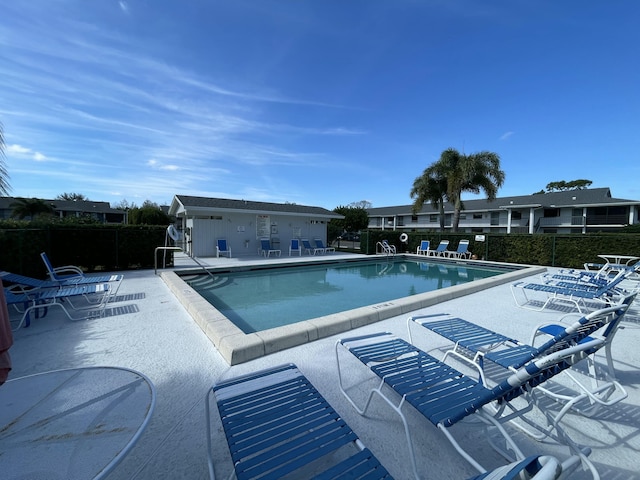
column 18, row 149
column 506, row 135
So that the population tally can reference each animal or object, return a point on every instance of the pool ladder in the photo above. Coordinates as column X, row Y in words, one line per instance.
column 385, row 248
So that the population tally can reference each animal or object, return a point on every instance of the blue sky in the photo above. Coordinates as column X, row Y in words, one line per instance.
column 323, row 102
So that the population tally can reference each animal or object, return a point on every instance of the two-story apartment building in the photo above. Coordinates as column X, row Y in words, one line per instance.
column 574, row 211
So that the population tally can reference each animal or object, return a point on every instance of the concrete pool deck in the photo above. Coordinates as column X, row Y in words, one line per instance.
column 149, row 330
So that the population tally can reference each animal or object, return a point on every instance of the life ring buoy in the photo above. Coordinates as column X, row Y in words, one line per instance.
column 403, row 268
column 404, row 237
column 173, row 233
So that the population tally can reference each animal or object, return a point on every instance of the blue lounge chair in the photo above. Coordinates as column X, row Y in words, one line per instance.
column 423, row 248
column 309, row 249
column 473, row 343
column 445, row 396
column 72, row 275
column 266, row 250
column 295, row 247
column 568, row 293
column 461, row 252
column 320, row 245
column 10, row 279
column 441, row 249
column 276, row 423
column 222, row 249
column 26, row 301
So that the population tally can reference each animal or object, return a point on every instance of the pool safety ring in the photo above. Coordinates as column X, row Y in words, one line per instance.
column 173, row 233
column 404, row 237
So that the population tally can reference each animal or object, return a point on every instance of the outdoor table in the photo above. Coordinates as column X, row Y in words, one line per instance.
column 72, row 424
column 613, row 259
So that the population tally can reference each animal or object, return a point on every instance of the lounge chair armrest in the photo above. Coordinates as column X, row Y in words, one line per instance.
column 67, row 269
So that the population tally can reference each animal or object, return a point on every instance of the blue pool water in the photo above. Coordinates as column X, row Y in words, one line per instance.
column 257, row 300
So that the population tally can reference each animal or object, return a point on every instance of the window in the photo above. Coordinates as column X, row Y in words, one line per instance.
column 433, row 218
column 551, row 212
column 516, row 215
column 478, row 216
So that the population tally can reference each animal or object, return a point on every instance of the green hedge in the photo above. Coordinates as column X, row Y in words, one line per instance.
column 91, row 247
column 567, row 251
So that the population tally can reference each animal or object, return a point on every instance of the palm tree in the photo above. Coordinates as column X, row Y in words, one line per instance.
column 430, row 187
column 4, row 175
column 30, row 207
column 467, row 173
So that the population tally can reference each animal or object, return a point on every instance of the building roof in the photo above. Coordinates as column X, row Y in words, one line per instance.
column 200, row 204
column 588, row 197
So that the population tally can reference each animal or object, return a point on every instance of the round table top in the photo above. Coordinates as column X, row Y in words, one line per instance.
column 72, row 424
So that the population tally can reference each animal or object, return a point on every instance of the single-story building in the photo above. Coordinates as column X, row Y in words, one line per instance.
column 202, row 221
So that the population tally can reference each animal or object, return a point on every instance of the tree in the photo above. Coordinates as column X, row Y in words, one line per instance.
column 361, row 204
column 4, row 174
column 72, row 197
column 30, row 207
column 148, row 214
column 431, row 187
column 466, row 173
column 562, row 186
column 355, row 219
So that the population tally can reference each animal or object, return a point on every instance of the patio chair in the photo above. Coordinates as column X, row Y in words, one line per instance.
column 309, row 249
column 445, row 396
column 266, row 250
column 461, row 252
column 294, row 246
column 568, row 293
column 593, row 387
column 440, row 250
column 73, row 275
column 320, row 245
column 423, row 248
column 222, row 249
column 28, row 300
column 276, row 423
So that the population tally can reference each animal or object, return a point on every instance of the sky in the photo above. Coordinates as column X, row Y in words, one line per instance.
column 314, row 102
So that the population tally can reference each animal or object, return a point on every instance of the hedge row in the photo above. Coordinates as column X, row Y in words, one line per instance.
column 567, row 251
column 91, row 247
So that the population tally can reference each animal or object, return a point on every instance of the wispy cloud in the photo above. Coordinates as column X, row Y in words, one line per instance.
column 506, row 135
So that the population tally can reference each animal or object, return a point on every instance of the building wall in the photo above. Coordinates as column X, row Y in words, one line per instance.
column 244, row 231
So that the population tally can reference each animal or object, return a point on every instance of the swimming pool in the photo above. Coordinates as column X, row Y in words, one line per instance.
column 236, row 346
column 258, row 300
